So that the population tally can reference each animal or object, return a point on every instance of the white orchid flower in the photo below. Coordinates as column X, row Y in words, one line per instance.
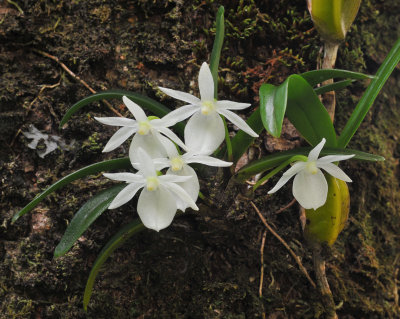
column 147, row 131
column 178, row 165
column 157, row 202
column 310, row 187
column 205, row 129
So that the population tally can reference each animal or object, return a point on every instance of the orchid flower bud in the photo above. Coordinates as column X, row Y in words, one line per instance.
column 333, row 18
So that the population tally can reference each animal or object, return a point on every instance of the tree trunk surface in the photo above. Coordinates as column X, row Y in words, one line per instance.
column 207, row 264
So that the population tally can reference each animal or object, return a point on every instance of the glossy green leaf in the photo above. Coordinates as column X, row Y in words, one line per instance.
column 85, row 171
column 271, row 115
column 217, row 47
column 115, row 242
column 85, row 216
column 145, row 102
column 318, row 76
column 306, row 112
column 296, row 98
column 273, row 160
column 241, row 141
column 333, row 87
column 370, row 95
column 333, row 18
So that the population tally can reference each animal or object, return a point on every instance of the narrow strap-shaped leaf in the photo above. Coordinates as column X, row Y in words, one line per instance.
column 241, row 141
column 145, row 102
column 318, row 76
column 273, row 160
column 85, row 171
column 333, row 87
column 370, row 95
column 85, row 216
column 115, row 242
column 217, row 47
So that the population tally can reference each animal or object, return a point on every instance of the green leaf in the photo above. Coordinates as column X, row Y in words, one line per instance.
column 303, row 108
column 241, row 141
column 85, row 171
column 273, row 160
column 306, row 112
column 85, row 216
column 318, row 76
column 115, row 242
column 145, row 102
column 217, row 47
column 271, row 116
column 333, row 87
column 370, row 95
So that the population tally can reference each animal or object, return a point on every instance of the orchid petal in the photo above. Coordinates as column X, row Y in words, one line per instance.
column 169, row 147
column 172, row 178
column 206, row 160
column 125, row 195
column 182, row 96
column 191, row 186
column 159, row 163
column 204, row 133
column 333, row 158
column 297, row 167
column 179, row 114
column 206, row 83
column 282, row 181
column 149, row 143
column 172, row 136
column 310, row 190
column 135, row 109
column 146, row 164
column 182, row 194
column 157, row 208
column 335, row 171
column 230, row 105
column 314, row 153
column 118, row 138
column 125, row 177
column 238, row 121
column 116, row 121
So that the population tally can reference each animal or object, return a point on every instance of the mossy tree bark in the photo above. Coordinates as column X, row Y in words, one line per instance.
column 207, row 264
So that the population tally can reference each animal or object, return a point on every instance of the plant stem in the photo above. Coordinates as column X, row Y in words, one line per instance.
column 330, row 55
column 227, row 141
column 322, row 281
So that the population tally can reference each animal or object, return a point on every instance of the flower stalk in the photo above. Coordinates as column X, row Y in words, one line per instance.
column 332, row 19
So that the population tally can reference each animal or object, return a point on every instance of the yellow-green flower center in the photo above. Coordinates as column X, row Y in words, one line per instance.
column 207, row 107
column 176, row 163
column 312, row 168
column 144, row 127
column 152, row 183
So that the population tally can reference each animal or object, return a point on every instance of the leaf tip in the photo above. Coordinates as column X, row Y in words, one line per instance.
column 14, row 218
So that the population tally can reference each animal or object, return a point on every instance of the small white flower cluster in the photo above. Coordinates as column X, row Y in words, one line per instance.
column 152, row 149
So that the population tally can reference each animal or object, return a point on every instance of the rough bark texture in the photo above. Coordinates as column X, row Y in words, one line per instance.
column 207, row 264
